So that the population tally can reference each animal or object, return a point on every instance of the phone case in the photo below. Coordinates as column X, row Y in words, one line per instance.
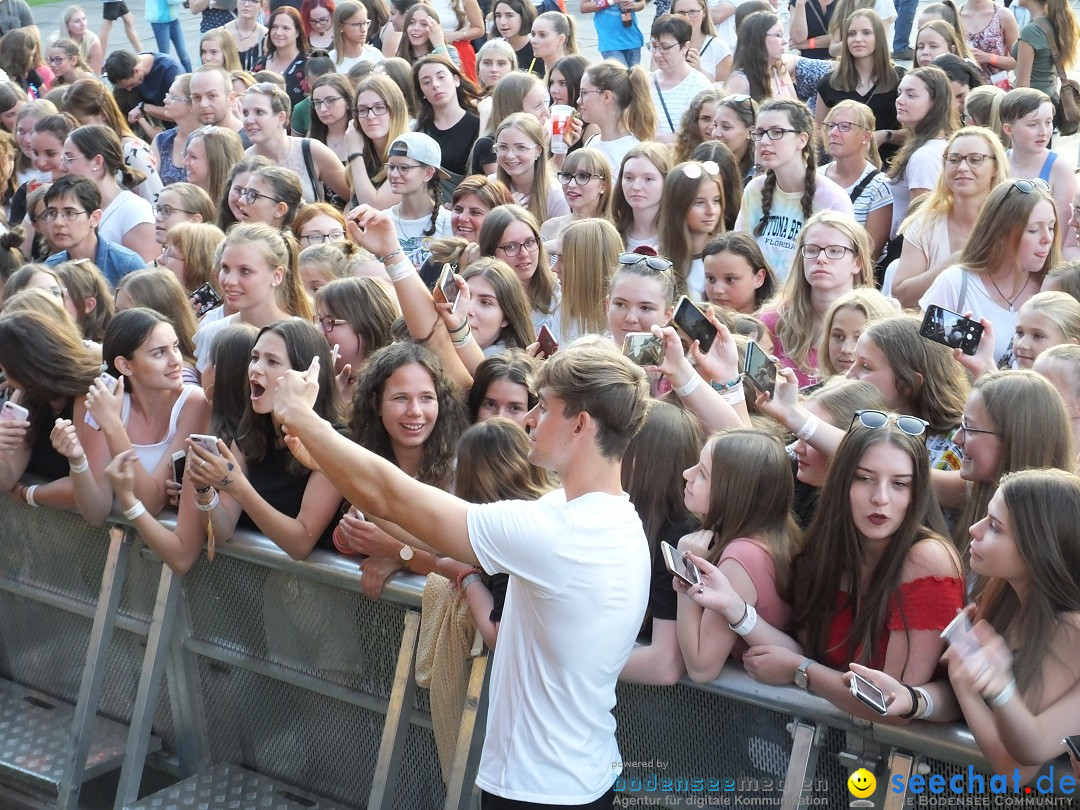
column 694, row 324
column 951, row 329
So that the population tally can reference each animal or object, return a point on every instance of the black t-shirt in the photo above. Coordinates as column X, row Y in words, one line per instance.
column 483, row 154
column 456, row 143
column 45, row 461
column 817, row 25
column 529, row 62
column 663, row 601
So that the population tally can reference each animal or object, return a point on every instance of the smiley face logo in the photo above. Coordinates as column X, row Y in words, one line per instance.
column 861, row 783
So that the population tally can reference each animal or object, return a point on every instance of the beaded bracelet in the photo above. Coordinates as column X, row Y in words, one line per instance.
column 464, row 574
column 724, row 387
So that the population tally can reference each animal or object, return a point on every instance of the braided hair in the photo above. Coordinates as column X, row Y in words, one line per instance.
column 802, row 121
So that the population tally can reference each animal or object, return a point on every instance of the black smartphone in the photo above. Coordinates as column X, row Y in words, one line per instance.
column 179, row 459
column 759, row 369
column 693, row 323
column 869, row 694
column 1073, row 744
column 204, row 299
column 548, row 344
column 446, row 289
column 951, row 329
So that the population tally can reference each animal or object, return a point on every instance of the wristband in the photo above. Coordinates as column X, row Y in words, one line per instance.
column 809, row 428
column 135, row 511
column 914, row 711
column 928, row 704
column 28, row 495
column 79, row 468
column 469, row 580
column 203, row 490
column 734, row 396
column 1004, row 696
column 400, row 271
column 690, row 387
column 458, row 344
column 602, row 4
column 722, row 387
column 390, row 255
column 748, row 622
column 993, row 59
column 464, row 575
column 461, row 328
column 339, row 544
column 354, row 156
column 209, row 507
column 811, row 43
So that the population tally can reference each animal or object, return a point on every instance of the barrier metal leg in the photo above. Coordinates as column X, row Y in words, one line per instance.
column 146, row 698
column 388, row 766
column 470, row 740
column 802, row 765
column 905, row 764
column 97, row 654
column 185, row 694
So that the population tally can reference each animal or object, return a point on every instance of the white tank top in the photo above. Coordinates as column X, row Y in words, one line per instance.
column 149, row 455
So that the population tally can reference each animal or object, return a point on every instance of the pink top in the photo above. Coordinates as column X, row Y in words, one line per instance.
column 771, row 318
column 761, row 568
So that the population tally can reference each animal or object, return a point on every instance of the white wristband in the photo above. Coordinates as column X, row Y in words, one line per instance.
column 135, row 511
column 748, row 622
column 928, row 708
column 1004, row 696
column 29, row 495
column 809, row 428
column 400, row 270
column 209, row 507
column 690, row 386
column 734, row 396
column 81, row 468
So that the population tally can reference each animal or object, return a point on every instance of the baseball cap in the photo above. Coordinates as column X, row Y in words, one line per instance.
column 421, row 148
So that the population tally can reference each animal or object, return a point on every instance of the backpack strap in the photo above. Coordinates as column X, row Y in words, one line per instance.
column 1055, row 53
column 861, row 187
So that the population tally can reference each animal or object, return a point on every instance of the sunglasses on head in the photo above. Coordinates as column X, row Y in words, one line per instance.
column 873, row 420
column 657, row 263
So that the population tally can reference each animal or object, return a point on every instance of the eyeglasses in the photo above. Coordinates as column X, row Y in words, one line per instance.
column 519, row 149
column 166, row 255
column 968, row 429
column 363, row 111
column 178, row 99
column 694, row 13
column 248, row 2
column 356, row 25
column 581, row 178
column 249, row 195
column 973, row 159
column 841, row 126
column 513, row 248
column 56, row 60
column 66, row 214
column 67, row 159
column 873, row 420
column 327, row 322
column 166, row 211
column 834, row 252
column 659, row 46
column 319, row 20
column 583, row 92
column 329, row 101
column 402, row 168
column 657, row 263
column 694, row 170
column 772, row 133
column 319, row 238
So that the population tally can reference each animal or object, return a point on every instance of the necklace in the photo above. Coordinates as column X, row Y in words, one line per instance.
column 1006, row 298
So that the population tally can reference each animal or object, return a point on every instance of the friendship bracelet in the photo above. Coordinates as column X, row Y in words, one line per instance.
column 135, row 511
column 353, row 157
column 459, row 344
column 209, row 507
column 910, row 714
column 747, row 624
column 809, row 428
column 690, row 387
column 464, row 325
column 401, row 270
column 810, row 43
column 722, row 387
column 28, row 495
column 734, row 396
column 1004, row 696
column 459, row 580
column 339, row 543
column 390, row 255
column 80, row 468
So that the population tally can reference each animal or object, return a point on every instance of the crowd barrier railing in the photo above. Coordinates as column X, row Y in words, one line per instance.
column 276, row 681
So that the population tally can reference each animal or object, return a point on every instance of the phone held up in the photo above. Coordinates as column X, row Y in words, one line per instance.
column 759, row 369
column 693, row 323
column 951, row 329
column 679, row 565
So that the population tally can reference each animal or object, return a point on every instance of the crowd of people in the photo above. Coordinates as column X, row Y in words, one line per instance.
column 375, row 279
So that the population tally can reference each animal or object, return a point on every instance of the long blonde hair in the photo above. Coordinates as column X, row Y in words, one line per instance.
column 589, row 254
column 542, row 174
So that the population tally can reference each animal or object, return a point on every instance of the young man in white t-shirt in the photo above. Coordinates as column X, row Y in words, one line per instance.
column 578, row 561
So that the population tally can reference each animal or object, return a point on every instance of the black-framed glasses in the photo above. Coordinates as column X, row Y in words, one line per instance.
column 581, row 178
column 328, row 322
column 874, row 420
column 249, row 195
column 772, row 133
column 363, row 111
column 973, row 159
column 513, row 248
column 661, row 47
column 657, row 263
column 402, row 168
column 841, row 126
column 834, row 252
column 166, row 211
column 966, row 428
column 320, row 238
column 329, row 101
column 319, row 20
column 66, row 214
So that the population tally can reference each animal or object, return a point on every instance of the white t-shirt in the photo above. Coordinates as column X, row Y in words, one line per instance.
column 121, row 215
column 412, row 237
column 922, row 171
column 945, row 292
column 671, row 104
column 368, row 54
column 726, row 29
column 614, row 150
column 579, row 584
column 714, row 50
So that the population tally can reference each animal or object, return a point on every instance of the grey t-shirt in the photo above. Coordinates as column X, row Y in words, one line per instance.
column 14, row 14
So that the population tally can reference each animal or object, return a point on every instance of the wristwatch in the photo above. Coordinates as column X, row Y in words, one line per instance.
column 801, row 679
column 406, row 556
column 888, row 136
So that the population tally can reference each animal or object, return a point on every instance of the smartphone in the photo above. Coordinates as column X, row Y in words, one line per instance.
column 1073, row 745
column 759, row 369
column 204, row 299
column 179, row 458
column 679, row 565
column 548, row 344
column 206, row 442
column 14, row 413
column 643, row 348
column 960, row 637
column 951, row 329
column 110, row 382
column 446, row 289
column 693, row 323
column 868, row 693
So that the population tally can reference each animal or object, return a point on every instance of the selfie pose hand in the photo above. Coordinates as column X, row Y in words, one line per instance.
column 66, row 442
column 208, row 469
column 104, row 405
column 13, row 431
column 373, row 230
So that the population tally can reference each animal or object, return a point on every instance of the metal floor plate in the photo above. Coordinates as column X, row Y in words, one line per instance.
column 35, row 739
column 230, row 787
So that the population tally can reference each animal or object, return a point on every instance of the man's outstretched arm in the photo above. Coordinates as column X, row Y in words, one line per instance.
column 367, row 481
